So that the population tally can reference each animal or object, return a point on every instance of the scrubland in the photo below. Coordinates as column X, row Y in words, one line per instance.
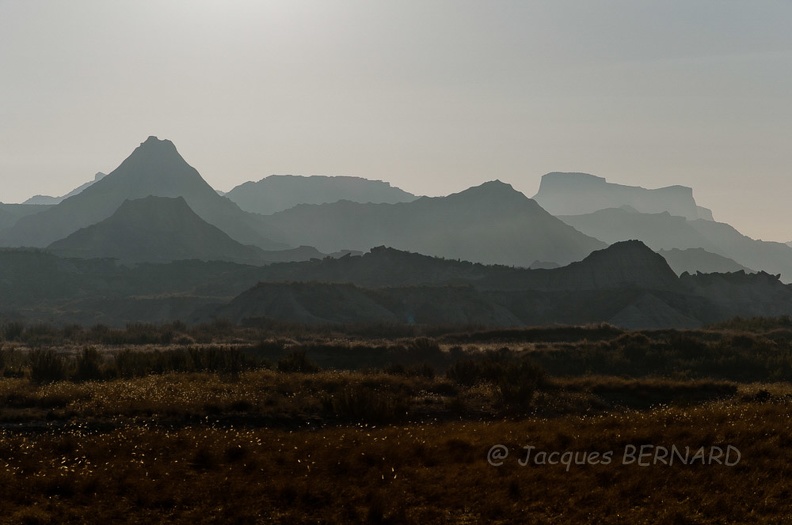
column 229, row 424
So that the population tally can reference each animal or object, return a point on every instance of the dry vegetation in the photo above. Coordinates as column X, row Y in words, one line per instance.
column 230, row 425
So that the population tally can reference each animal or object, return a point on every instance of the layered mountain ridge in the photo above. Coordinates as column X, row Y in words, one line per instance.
column 280, row 192
column 662, row 231
column 152, row 241
column 491, row 223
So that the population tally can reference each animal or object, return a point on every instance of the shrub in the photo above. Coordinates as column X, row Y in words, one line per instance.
column 39, row 334
column 13, row 331
column 297, row 362
column 46, row 366
column 365, row 404
column 89, row 365
column 518, row 383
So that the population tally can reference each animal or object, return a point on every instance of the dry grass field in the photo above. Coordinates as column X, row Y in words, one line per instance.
column 242, row 429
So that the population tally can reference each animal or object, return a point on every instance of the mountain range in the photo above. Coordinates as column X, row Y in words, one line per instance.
column 491, row 223
column 152, row 241
column 626, row 284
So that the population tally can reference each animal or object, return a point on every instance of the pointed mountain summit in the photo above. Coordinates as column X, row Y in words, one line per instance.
column 281, row 192
column 491, row 223
column 155, row 229
column 155, row 168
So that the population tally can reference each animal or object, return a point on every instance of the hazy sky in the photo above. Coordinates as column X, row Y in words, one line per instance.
column 432, row 96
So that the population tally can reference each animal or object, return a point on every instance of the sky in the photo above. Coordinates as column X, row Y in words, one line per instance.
column 433, row 96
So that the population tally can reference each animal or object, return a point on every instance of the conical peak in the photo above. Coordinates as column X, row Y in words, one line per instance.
column 154, row 144
column 155, row 155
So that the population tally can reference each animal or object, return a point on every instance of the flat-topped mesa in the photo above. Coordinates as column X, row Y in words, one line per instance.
column 581, row 193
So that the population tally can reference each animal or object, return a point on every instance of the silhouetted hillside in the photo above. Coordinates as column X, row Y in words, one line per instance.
column 625, row 284
column 581, row 193
column 155, row 229
column 625, row 264
column 46, row 199
column 771, row 257
column 741, row 295
column 664, row 232
column 692, row 260
column 307, row 303
column 321, row 303
column 155, row 168
column 491, row 223
column 281, row 192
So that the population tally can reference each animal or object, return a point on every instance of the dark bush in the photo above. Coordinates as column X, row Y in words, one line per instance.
column 518, row 383
column 46, row 366
column 13, row 331
column 363, row 403
column 89, row 365
column 297, row 362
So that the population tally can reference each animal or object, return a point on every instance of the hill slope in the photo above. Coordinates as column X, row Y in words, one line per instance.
column 281, row 192
column 623, row 265
column 627, row 283
column 662, row 231
column 155, row 168
column 155, row 229
column 581, row 193
column 640, row 292
column 491, row 223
